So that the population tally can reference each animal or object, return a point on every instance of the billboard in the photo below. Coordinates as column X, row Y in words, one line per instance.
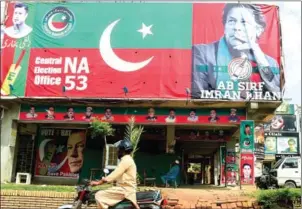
column 143, row 50
column 121, row 115
column 60, row 152
column 281, row 143
column 281, row 123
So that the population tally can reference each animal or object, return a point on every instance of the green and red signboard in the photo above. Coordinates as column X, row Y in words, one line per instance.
column 148, row 50
column 122, row 115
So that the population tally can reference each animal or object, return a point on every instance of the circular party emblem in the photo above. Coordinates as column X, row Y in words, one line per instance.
column 58, row 22
column 240, row 69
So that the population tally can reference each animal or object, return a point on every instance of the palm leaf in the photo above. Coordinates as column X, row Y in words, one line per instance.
column 133, row 133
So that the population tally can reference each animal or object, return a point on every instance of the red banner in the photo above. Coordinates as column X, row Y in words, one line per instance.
column 247, row 168
column 167, row 51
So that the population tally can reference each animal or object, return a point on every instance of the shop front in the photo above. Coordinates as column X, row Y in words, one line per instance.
column 63, row 151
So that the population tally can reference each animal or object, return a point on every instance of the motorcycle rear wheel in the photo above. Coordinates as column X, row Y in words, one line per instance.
column 77, row 204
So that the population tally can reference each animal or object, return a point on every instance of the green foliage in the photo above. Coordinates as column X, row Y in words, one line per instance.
column 101, row 128
column 278, row 197
column 133, row 133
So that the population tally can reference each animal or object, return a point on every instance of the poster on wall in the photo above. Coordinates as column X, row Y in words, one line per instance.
column 270, row 145
column 247, row 168
column 60, row 152
column 141, row 55
column 142, row 115
column 281, row 143
column 228, row 175
column 231, row 173
column 247, row 136
column 231, row 156
column 280, row 123
column 287, row 145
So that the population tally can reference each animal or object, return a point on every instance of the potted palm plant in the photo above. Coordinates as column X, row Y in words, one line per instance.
column 133, row 133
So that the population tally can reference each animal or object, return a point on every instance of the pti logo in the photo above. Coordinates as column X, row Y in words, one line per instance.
column 58, row 22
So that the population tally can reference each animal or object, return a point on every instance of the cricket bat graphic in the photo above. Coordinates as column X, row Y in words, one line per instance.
column 11, row 75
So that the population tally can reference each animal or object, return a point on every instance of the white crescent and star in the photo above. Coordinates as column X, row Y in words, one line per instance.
column 52, row 27
column 115, row 62
column 42, row 154
column 42, row 148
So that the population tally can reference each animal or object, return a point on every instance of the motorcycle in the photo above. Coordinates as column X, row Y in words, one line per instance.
column 266, row 181
column 145, row 200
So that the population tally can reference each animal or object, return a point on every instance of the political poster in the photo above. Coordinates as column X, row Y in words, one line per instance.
column 150, row 115
column 247, row 136
column 247, row 168
column 165, row 51
column 60, row 152
column 229, row 168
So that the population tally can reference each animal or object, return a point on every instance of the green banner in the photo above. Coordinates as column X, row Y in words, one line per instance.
column 247, row 136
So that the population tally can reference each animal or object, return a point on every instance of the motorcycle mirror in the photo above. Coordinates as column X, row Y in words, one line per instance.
column 106, row 171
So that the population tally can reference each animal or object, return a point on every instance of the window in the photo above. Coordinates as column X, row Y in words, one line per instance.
column 290, row 163
column 278, row 163
column 110, row 158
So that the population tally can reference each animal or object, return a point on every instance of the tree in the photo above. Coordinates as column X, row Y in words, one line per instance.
column 101, row 128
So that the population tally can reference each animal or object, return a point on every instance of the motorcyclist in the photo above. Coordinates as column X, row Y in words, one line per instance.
column 125, row 177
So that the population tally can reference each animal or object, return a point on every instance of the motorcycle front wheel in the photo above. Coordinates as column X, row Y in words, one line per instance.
column 77, row 204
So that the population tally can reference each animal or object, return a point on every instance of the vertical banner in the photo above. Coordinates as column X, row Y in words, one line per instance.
column 247, row 168
column 259, row 142
column 231, row 167
column 247, row 152
column 247, row 136
column 228, row 162
column 60, row 152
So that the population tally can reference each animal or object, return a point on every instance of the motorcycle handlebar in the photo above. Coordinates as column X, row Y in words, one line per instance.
column 86, row 182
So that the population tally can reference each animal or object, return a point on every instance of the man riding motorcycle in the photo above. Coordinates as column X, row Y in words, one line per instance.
column 125, row 177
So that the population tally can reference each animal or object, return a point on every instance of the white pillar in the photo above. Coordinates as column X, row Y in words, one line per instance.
column 8, row 141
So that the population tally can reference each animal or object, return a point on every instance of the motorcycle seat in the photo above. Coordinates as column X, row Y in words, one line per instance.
column 147, row 196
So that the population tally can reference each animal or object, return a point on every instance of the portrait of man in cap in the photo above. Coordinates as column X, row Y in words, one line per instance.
column 233, row 116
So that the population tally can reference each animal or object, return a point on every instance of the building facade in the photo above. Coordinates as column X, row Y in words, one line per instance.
column 195, row 86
